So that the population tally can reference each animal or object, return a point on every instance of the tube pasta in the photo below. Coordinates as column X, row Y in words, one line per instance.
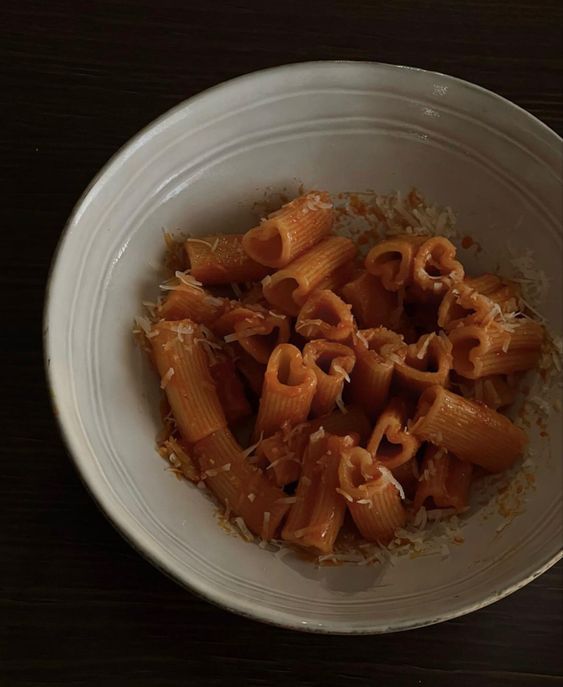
column 284, row 449
column 286, row 234
column 257, row 330
column 325, row 316
column 444, row 480
column 372, row 304
column 316, row 517
column 435, row 268
column 187, row 300
column 471, row 431
column 377, row 352
column 221, row 259
column 372, row 494
column 503, row 292
column 233, row 399
column 184, row 370
column 289, row 388
column 464, row 305
column 428, row 362
column 332, row 364
column 326, row 265
column 391, row 444
column 252, row 371
column 241, row 487
column 496, row 349
column 393, row 260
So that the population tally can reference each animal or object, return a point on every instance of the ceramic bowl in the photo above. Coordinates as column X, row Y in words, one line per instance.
column 202, row 167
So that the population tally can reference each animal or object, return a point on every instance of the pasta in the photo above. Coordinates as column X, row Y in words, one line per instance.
column 444, row 480
column 241, row 487
column 391, row 444
column 435, row 268
column 327, row 265
column 373, row 496
column 183, row 367
column 504, row 293
column 232, row 397
column 288, row 391
column 257, row 330
column 332, row 364
column 284, row 449
column 393, row 261
column 316, row 517
column 187, row 300
column 221, row 259
column 427, row 362
column 325, row 316
column 495, row 349
column 289, row 232
column 472, row 431
column 325, row 386
column 372, row 304
column 377, row 352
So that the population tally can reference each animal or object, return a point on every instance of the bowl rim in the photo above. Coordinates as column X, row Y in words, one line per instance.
column 120, row 521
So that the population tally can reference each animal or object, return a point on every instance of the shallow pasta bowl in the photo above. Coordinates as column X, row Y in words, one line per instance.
column 203, row 167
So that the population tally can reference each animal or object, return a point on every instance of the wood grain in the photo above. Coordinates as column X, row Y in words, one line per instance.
column 77, row 605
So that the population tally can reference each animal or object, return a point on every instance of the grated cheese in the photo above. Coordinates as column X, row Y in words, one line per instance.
column 342, row 372
column 246, row 533
column 346, row 495
column 424, row 348
column 250, row 449
column 204, row 243
column 167, row 377
column 318, row 435
column 340, row 403
column 387, row 477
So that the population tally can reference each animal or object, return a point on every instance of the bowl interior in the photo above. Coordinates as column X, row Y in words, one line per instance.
column 206, row 167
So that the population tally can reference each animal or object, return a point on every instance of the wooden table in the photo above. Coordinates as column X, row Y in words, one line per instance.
column 77, row 605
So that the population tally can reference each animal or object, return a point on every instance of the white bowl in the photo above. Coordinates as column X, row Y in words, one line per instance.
column 331, row 125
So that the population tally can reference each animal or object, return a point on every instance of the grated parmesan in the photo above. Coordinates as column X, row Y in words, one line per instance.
column 318, row 435
column 166, row 378
column 246, row 533
column 342, row 372
column 346, row 495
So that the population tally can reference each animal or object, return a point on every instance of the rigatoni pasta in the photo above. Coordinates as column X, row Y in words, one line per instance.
column 316, row 517
column 393, row 261
column 496, row 349
column 372, row 494
column 288, row 391
column 287, row 233
column 221, row 259
column 326, row 316
column 444, row 480
column 377, row 351
column 332, row 364
column 470, row 430
column 372, row 304
column 427, row 362
column 435, row 267
column 391, row 443
column 301, row 381
column 183, row 366
column 326, row 265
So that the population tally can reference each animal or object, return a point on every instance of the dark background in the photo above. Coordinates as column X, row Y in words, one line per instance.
column 77, row 605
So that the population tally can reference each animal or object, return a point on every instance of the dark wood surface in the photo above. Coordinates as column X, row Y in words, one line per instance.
column 77, row 605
